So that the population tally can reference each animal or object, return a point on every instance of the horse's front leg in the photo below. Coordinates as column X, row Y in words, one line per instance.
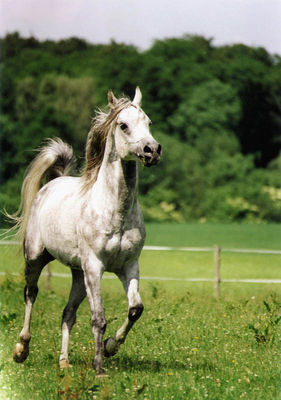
column 130, row 280
column 93, row 270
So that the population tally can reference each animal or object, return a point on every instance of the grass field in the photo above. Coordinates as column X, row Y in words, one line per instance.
column 187, row 345
column 253, row 236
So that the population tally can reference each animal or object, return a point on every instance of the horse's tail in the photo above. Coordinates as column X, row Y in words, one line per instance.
column 53, row 160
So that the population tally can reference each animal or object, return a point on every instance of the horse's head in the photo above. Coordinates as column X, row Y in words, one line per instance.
column 133, row 139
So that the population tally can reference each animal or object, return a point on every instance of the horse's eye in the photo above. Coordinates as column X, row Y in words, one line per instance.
column 123, row 126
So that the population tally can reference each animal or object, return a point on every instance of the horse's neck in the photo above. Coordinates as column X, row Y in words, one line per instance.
column 118, row 180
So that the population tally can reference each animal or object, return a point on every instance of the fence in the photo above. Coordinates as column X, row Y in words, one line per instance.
column 217, row 265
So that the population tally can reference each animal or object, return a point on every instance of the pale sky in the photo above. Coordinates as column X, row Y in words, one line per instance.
column 140, row 22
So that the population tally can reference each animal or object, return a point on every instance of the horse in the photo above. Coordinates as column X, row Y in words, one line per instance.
column 91, row 223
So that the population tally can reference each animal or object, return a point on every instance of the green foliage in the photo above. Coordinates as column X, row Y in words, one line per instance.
column 212, row 108
column 266, row 326
column 72, row 98
column 65, row 98
column 218, row 185
column 251, row 71
column 172, row 68
column 215, row 110
column 165, row 190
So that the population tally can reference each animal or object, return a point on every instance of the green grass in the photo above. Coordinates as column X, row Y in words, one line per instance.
column 187, row 345
column 253, row 236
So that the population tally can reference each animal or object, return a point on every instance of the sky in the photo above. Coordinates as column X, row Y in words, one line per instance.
column 140, row 22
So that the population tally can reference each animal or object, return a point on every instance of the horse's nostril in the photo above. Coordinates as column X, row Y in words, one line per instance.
column 147, row 149
column 159, row 150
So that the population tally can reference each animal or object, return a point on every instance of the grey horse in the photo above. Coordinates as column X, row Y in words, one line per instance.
column 91, row 223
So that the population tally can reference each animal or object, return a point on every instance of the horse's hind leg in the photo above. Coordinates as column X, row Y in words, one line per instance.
column 33, row 270
column 77, row 295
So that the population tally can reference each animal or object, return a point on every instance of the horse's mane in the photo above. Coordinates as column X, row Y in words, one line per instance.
column 96, row 140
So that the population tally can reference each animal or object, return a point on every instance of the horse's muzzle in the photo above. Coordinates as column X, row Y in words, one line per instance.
column 150, row 154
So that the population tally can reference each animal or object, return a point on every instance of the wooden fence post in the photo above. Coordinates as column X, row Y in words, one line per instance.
column 217, row 279
column 48, row 277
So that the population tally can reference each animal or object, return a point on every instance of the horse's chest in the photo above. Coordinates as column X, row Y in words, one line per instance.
column 120, row 249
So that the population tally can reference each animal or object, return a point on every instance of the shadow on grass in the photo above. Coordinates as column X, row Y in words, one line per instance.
column 132, row 364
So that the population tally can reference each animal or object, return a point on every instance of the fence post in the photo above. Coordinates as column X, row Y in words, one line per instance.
column 48, row 277
column 217, row 279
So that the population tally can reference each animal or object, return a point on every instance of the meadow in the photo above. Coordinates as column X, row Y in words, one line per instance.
column 187, row 344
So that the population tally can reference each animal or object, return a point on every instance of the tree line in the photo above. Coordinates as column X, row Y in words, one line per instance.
column 215, row 110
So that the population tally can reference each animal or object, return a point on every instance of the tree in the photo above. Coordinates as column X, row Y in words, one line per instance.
column 218, row 110
column 212, row 111
column 172, row 67
column 256, row 75
column 72, row 99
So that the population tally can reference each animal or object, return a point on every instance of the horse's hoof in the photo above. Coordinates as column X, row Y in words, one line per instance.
column 20, row 352
column 64, row 364
column 110, row 347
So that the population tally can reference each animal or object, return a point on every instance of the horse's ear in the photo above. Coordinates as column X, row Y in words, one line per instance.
column 111, row 99
column 137, row 98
